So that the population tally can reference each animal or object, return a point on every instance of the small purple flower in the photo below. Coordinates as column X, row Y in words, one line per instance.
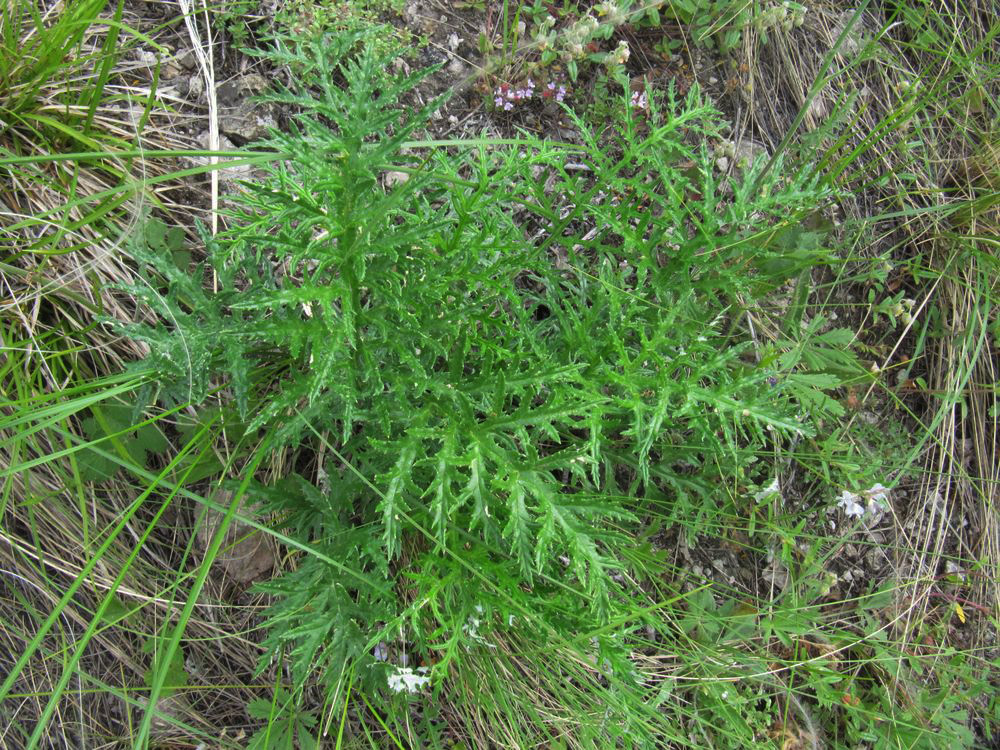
column 508, row 106
column 561, row 94
column 498, row 101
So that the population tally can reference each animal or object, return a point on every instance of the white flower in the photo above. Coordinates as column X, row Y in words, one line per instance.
column 471, row 627
column 877, row 493
column 868, row 502
column 615, row 13
column 849, row 502
column 768, row 492
column 406, row 679
column 619, row 56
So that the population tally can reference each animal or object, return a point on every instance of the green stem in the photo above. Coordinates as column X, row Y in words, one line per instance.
column 350, row 241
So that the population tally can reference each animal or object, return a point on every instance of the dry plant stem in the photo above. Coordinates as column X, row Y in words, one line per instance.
column 206, row 62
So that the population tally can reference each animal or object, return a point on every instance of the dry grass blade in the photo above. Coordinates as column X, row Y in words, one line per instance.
column 61, row 249
column 206, row 62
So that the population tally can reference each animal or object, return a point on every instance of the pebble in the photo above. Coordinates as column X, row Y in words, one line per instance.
column 395, row 178
column 186, row 59
column 254, row 83
column 722, row 163
column 196, row 87
column 746, row 152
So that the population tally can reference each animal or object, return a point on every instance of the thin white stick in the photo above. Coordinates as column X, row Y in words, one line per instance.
column 207, row 65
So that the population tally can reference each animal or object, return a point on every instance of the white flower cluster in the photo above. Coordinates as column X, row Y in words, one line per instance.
column 866, row 503
column 904, row 310
column 768, row 493
column 471, row 627
column 579, row 35
column 545, row 36
column 409, row 680
column 788, row 15
column 615, row 13
column 619, row 55
column 576, row 40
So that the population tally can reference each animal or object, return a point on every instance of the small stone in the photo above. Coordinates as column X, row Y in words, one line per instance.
column 453, row 41
column 722, row 164
column 186, row 59
column 713, row 80
column 227, row 93
column 254, row 83
column 746, row 152
column 411, row 12
column 246, row 556
column 248, row 120
column 395, row 178
column 195, row 87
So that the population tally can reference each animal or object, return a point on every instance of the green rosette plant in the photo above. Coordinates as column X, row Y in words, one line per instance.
column 508, row 352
